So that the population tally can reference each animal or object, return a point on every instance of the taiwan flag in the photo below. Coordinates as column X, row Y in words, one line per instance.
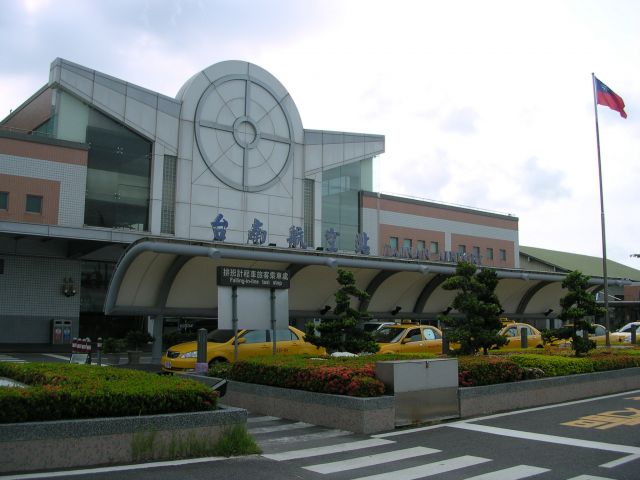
column 608, row 98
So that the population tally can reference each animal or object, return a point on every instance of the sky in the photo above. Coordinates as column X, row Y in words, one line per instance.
column 483, row 104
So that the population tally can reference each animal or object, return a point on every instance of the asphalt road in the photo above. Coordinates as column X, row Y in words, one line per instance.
column 596, row 439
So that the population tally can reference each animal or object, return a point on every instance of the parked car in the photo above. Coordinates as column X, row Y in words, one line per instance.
column 251, row 343
column 408, row 338
column 623, row 334
column 513, row 332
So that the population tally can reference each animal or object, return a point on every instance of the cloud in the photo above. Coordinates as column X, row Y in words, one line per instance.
column 461, row 120
column 542, row 184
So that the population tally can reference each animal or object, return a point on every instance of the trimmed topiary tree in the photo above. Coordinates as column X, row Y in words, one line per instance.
column 479, row 326
column 344, row 333
column 577, row 304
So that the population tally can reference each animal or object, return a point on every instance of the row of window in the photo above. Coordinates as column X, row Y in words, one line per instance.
column 434, row 248
column 33, row 203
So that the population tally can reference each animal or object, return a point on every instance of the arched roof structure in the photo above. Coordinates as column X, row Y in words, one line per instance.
column 179, row 278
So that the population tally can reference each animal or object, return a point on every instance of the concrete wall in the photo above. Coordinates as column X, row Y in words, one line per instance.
column 83, row 443
column 360, row 415
column 504, row 397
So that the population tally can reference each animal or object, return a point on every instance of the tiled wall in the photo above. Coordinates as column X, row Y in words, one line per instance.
column 19, row 306
column 61, row 184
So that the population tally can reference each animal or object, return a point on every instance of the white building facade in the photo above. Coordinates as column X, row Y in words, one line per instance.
column 91, row 164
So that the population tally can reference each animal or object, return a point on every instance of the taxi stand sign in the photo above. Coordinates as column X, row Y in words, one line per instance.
column 252, row 277
column 253, row 299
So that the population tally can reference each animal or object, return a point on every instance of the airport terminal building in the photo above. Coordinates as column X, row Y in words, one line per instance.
column 118, row 204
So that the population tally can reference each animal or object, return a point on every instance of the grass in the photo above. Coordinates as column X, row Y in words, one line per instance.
column 236, row 441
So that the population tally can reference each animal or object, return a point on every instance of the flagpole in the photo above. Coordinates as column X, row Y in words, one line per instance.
column 604, row 240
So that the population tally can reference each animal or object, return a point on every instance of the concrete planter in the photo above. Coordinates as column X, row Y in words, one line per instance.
column 505, row 397
column 360, row 415
column 103, row 441
column 369, row 415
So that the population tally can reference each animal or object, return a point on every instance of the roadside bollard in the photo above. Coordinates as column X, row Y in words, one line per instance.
column 201, row 360
column 524, row 338
column 87, row 342
column 633, row 336
column 445, row 344
column 99, row 349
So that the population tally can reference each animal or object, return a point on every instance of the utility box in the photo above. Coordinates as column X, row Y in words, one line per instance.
column 60, row 331
column 423, row 390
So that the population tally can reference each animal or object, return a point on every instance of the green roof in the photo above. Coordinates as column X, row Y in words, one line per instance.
column 591, row 266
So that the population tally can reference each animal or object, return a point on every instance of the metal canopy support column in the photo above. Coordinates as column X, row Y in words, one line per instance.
column 234, row 321
column 273, row 319
column 156, row 348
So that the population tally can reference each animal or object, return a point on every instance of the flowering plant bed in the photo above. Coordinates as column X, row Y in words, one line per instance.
column 352, row 376
column 355, row 376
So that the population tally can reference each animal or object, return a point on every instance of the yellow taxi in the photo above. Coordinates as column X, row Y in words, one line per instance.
column 408, row 338
column 513, row 332
column 251, row 343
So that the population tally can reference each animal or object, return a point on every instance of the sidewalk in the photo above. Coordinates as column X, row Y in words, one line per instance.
column 34, row 348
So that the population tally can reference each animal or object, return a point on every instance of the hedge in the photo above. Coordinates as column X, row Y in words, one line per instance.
column 68, row 391
column 355, row 376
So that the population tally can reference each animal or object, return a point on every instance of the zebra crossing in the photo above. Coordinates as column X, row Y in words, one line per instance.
column 347, row 455
column 8, row 358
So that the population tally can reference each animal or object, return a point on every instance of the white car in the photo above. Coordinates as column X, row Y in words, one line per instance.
column 623, row 334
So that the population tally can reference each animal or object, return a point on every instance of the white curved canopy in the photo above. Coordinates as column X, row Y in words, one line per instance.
column 173, row 278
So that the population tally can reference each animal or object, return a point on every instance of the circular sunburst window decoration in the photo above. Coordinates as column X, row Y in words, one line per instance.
column 243, row 133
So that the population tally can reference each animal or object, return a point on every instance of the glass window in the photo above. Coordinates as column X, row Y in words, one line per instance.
column 285, row 335
column 309, row 209
column 434, row 247
column 414, row 335
column 118, row 173
column 429, row 334
column 255, row 336
column 503, row 254
column 421, row 244
column 462, row 249
column 34, row 204
column 393, row 242
column 511, row 332
column 476, row 252
column 4, row 200
column 220, row 335
column 489, row 253
column 406, row 243
column 388, row 334
column 340, row 199
column 168, row 206
column 94, row 282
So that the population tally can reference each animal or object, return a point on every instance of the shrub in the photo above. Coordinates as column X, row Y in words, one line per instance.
column 487, row 370
column 114, row 345
column 137, row 338
column 554, row 366
column 335, row 377
column 69, row 391
column 356, row 375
